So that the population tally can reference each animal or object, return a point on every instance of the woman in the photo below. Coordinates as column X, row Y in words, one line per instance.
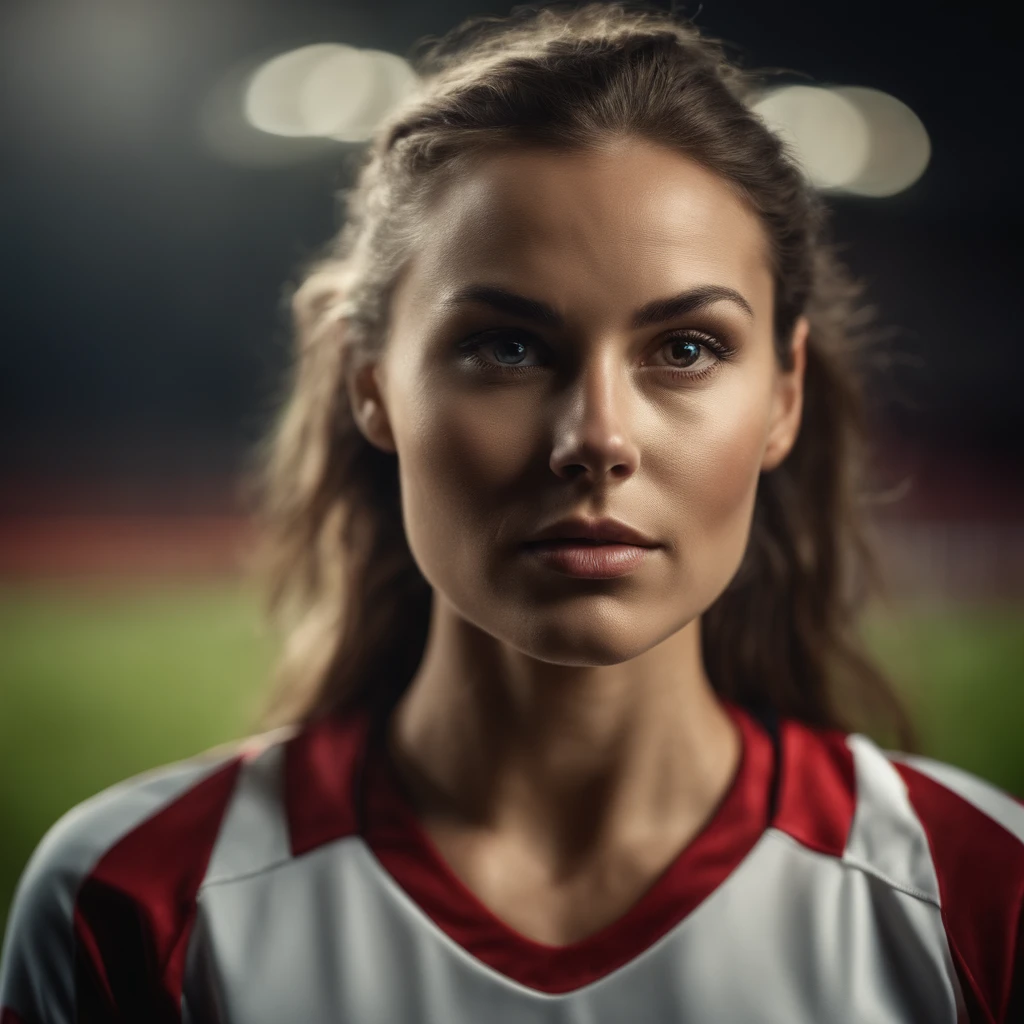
column 562, row 519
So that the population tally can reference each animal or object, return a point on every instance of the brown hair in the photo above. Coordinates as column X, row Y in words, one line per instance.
column 341, row 581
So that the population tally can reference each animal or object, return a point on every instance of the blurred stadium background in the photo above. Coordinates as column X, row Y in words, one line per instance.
column 168, row 165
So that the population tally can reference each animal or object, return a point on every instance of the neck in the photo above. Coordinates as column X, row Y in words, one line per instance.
column 562, row 758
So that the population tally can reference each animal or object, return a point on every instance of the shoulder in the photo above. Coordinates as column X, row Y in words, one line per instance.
column 849, row 782
column 927, row 829
column 975, row 833
column 944, row 796
column 974, row 830
column 114, row 870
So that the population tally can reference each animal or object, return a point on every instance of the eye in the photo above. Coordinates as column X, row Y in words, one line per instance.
column 683, row 349
column 689, row 346
column 507, row 345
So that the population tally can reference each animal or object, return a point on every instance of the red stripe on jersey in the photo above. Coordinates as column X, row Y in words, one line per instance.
column 817, row 787
column 94, row 996
column 320, row 763
column 410, row 857
column 9, row 1016
column 980, row 868
column 134, row 911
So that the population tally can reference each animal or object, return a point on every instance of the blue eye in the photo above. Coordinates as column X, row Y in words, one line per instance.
column 510, row 345
column 503, row 344
column 688, row 343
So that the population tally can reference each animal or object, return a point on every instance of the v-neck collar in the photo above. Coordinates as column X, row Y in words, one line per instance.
column 402, row 846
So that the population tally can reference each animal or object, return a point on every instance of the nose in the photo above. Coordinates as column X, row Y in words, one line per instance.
column 593, row 435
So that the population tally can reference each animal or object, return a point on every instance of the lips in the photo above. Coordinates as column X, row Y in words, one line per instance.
column 585, row 559
column 563, row 541
column 580, row 530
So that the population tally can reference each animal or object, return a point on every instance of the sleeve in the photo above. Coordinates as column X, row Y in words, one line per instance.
column 1015, row 1003
column 102, row 912
column 976, row 834
column 45, row 978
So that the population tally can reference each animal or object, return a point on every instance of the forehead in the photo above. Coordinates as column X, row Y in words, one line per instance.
column 634, row 221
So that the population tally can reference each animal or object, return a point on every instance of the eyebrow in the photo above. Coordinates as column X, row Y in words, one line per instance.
column 655, row 312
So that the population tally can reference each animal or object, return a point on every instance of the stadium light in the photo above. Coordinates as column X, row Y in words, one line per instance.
column 849, row 139
column 345, row 96
column 826, row 133
column 900, row 148
column 272, row 98
column 328, row 90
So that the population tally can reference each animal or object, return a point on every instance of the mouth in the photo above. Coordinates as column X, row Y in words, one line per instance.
column 572, row 542
column 585, row 558
column 580, row 542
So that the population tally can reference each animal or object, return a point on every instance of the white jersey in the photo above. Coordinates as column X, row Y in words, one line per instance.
column 289, row 880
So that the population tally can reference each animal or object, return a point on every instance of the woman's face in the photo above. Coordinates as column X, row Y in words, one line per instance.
column 663, row 424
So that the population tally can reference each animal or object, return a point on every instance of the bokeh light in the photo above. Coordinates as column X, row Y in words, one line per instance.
column 230, row 136
column 345, row 96
column 272, row 99
column 825, row 131
column 849, row 139
column 328, row 90
column 900, row 148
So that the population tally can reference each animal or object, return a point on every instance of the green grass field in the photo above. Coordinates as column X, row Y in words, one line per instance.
column 98, row 685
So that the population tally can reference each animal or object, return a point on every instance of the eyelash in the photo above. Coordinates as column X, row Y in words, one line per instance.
column 722, row 351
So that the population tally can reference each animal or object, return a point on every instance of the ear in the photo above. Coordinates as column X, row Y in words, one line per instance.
column 363, row 381
column 788, row 400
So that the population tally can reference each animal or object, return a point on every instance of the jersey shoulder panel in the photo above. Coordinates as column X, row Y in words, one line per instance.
column 984, row 796
column 975, row 832
column 322, row 765
column 816, row 787
column 840, row 795
column 96, row 886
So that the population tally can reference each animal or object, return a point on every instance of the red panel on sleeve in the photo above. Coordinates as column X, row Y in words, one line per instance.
column 8, row 1016
column 133, row 913
column 980, row 868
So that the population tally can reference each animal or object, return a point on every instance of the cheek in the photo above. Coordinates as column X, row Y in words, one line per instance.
column 723, row 460
column 462, row 443
column 716, row 475
column 461, row 466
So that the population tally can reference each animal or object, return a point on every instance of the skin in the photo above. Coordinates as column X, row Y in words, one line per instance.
column 560, row 741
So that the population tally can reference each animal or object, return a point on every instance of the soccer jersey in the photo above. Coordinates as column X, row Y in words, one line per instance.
column 288, row 879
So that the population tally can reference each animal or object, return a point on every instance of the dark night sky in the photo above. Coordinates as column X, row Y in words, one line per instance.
column 142, row 276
